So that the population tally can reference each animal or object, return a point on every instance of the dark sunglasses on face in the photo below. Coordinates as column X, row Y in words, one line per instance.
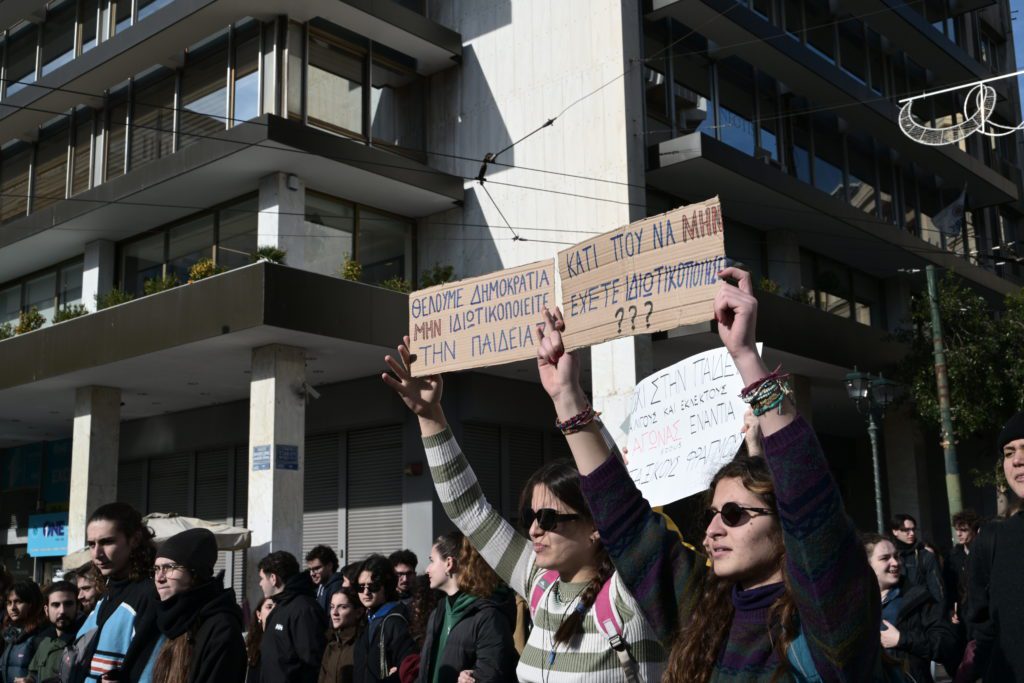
column 734, row 514
column 547, row 518
column 370, row 588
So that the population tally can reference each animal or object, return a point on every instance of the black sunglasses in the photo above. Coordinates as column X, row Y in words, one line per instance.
column 547, row 519
column 734, row 514
column 368, row 587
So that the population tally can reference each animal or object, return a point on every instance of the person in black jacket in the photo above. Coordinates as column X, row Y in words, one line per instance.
column 385, row 641
column 200, row 623
column 995, row 592
column 918, row 565
column 914, row 629
column 471, row 629
column 322, row 563
column 24, row 627
column 294, row 632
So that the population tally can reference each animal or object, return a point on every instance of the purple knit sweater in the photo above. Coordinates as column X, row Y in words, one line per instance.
column 835, row 591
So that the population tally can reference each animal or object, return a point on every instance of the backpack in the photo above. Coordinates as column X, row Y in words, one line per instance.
column 379, row 628
column 607, row 618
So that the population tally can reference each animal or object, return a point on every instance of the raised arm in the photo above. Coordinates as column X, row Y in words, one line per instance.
column 509, row 553
column 834, row 589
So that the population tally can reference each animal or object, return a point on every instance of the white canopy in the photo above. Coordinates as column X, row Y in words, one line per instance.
column 165, row 525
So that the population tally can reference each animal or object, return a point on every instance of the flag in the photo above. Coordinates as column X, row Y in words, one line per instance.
column 950, row 220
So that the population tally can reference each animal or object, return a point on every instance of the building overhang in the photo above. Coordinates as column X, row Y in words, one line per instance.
column 758, row 42
column 218, row 169
column 694, row 167
column 181, row 23
column 190, row 346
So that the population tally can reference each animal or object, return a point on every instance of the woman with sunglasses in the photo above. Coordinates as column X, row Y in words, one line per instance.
column 384, row 641
column 561, row 568
column 790, row 593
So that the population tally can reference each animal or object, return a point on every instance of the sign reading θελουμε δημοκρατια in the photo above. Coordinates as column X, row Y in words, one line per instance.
column 481, row 321
column 651, row 275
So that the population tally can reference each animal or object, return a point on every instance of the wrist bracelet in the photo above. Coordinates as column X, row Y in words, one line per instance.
column 577, row 421
column 768, row 393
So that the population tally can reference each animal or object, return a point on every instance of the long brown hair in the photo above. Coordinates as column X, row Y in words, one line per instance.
column 175, row 658
column 697, row 646
column 28, row 592
column 128, row 521
column 255, row 636
column 563, row 480
column 474, row 575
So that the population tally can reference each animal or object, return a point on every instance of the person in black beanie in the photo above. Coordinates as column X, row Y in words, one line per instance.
column 200, row 623
column 996, row 589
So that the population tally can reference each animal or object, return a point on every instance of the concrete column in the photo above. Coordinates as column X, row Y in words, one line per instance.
column 783, row 249
column 94, row 452
column 97, row 271
column 277, row 437
column 282, row 202
column 615, row 368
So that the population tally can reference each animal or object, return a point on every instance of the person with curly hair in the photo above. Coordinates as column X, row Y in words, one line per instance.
column 385, row 641
column 471, row 629
column 790, row 593
column 118, row 638
column 424, row 601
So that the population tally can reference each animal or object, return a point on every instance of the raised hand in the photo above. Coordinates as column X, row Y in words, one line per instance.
column 422, row 395
column 736, row 312
column 559, row 371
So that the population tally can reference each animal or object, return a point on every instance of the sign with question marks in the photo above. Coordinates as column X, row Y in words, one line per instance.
column 652, row 275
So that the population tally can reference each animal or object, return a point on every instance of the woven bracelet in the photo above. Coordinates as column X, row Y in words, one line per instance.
column 578, row 421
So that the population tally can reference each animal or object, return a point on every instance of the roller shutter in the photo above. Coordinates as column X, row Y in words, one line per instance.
column 374, row 492
column 169, row 483
column 482, row 446
column 240, row 512
column 131, row 483
column 320, row 502
column 212, row 492
column 525, row 456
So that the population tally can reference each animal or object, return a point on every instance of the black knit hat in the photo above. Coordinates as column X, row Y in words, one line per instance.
column 1013, row 430
column 196, row 549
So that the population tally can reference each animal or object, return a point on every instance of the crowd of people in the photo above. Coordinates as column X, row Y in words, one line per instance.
column 591, row 585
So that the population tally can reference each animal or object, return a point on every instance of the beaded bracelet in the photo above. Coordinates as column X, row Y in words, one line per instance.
column 578, row 421
column 768, row 393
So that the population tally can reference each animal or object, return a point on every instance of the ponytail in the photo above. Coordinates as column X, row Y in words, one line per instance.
column 572, row 625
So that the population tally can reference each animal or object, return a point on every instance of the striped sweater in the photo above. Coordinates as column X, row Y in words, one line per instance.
column 834, row 589
column 588, row 658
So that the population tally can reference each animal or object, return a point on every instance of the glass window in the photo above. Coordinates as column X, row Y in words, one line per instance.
column 21, row 59
column 59, row 36
column 886, row 191
column 153, row 127
column 187, row 243
column 51, row 167
column 89, row 14
column 122, row 11
column 794, row 18
column 762, row 7
column 70, row 291
column 247, row 76
column 930, row 199
column 695, row 110
column 800, row 129
column 142, row 260
column 736, row 85
column 860, row 150
column 296, row 66
column 852, row 55
column 828, row 156
column 82, row 154
column 204, row 93
column 876, row 62
column 329, row 233
column 768, row 115
column 335, row 90
column 10, row 305
column 147, row 7
column 41, row 292
column 910, row 201
column 14, row 167
column 117, row 115
column 382, row 245
column 820, row 29
column 832, row 284
column 867, row 300
column 237, row 234
column 396, row 106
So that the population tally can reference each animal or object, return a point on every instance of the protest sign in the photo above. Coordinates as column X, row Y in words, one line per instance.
column 685, row 424
column 480, row 321
column 652, row 275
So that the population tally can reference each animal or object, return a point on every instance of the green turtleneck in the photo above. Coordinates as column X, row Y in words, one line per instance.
column 455, row 607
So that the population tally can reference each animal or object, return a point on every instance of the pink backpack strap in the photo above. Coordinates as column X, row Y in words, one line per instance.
column 607, row 620
column 547, row 579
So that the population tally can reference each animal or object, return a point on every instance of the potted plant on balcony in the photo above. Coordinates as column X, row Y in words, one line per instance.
column 397, row 284
column 438, row 275
column 29, row 320
column 159, row 284
column 69, row 312
column 269, row 253
column 6, row 331
column 203, row 268
column 351, row 269
column 112, row 298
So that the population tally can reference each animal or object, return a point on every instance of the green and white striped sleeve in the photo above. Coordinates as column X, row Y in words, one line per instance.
column 510, row 554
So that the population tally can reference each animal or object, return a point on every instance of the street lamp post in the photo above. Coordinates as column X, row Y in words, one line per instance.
column 873, row 394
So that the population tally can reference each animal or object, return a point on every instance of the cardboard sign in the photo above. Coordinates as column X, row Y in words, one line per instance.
column 480, row 321
column 652, row 275
column 685, row 424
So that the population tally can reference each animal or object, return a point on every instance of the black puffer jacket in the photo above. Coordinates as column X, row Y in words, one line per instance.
column 481, row 640
column 996, row 600
column 925, row 634
column 293, row 639
column 388, row 634
column 208, row 612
